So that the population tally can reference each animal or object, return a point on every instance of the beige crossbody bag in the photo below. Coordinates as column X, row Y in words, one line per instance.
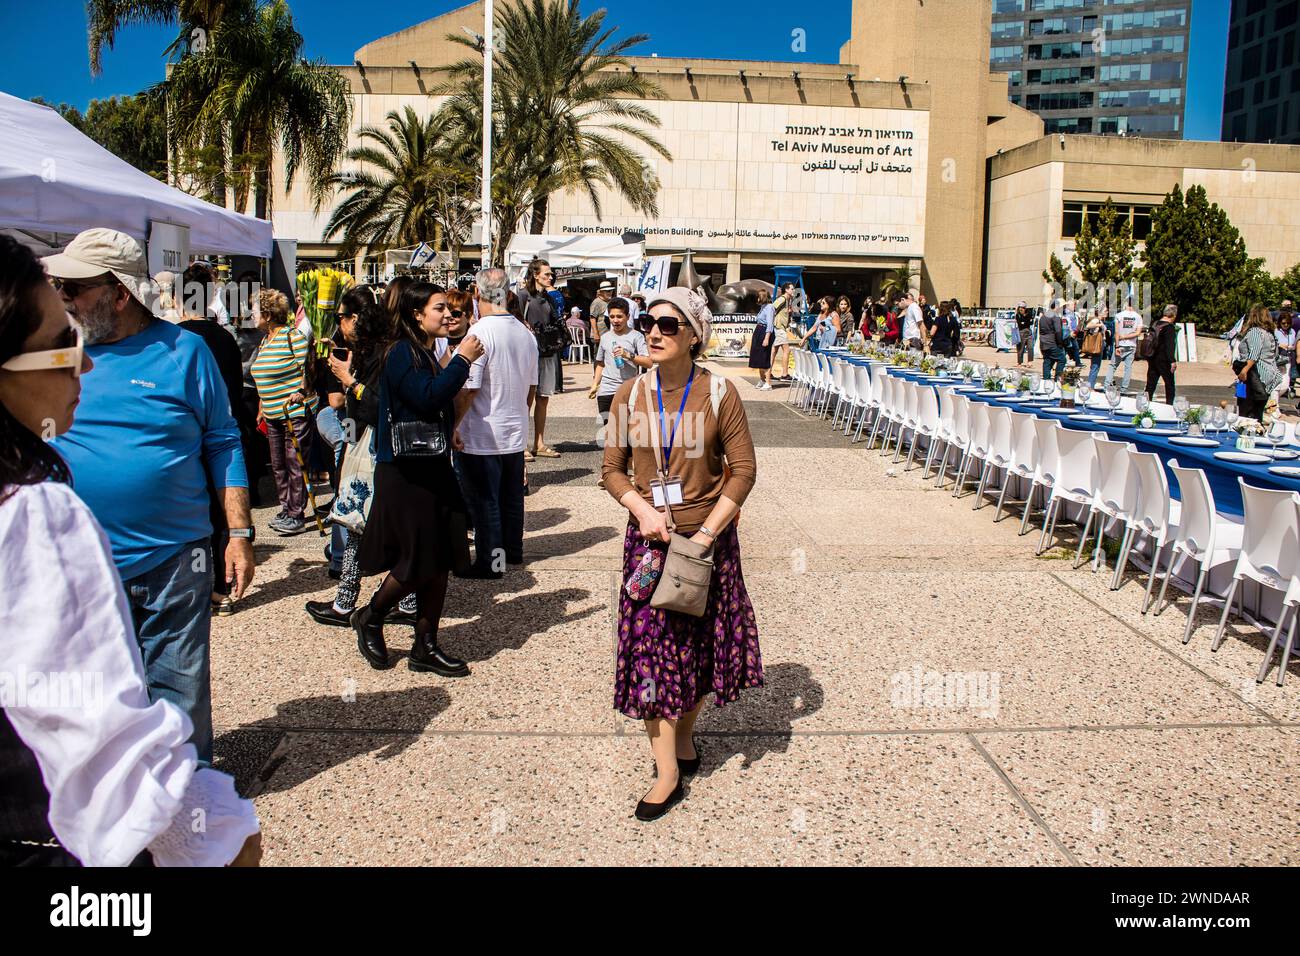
column 688, row 567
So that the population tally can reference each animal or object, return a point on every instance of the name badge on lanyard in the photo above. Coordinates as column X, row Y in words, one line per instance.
column 665, row 489
column 666, row 492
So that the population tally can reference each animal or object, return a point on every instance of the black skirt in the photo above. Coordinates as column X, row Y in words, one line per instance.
column 417, row 524
column 760, row 355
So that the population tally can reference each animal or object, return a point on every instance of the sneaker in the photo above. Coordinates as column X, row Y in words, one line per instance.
column 765, row 387
column 289, row 526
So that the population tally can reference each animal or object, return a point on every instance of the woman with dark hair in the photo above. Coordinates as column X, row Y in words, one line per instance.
column 541, row 315
column 669, row 661
column 944, row 331
column 1258, row 353
column 367, row 328
column 823, row 326
column 417, row 522
column 844, row 324
column 100, row 782
column 867, row 322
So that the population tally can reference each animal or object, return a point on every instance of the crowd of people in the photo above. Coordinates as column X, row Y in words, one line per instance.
column 126, row 521
column 1262, row 346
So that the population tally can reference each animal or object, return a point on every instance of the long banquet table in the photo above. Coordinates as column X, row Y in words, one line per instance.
column 1222, row 474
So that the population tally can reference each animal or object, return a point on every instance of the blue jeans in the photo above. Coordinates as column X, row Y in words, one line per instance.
column 1053, row 357
column 331, row 429
column 1125, row 356
column 493, row 486
column 1094, row 368
column 171, row 607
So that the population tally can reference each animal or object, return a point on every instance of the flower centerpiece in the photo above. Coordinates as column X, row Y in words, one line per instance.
column 993, row 381
column 1070, row 376
column 1247, row 429
column 928, row 365
column 1145, row 419
column 966, row 370
column 1025, row 384
column 1194, row 418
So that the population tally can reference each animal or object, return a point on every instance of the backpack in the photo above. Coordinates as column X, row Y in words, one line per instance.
column 1147, row 345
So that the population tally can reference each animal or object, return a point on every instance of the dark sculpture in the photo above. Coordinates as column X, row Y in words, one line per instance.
column 734, row 298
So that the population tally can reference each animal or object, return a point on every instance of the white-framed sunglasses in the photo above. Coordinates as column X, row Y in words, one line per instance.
column 66, row 358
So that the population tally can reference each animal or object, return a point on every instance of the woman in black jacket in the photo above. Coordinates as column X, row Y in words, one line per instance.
column 416, row 528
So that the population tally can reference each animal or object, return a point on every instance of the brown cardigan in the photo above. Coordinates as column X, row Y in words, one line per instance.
column 697, row 455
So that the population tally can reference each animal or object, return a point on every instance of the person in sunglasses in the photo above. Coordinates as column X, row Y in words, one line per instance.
column 95, row 774
column 460, row 309
column 153, row 426
column 667, row 662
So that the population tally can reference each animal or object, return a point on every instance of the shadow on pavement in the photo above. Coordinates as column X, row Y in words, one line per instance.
column 762, row 720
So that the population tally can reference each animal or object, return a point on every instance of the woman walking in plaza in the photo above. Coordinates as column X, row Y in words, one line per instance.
column 281, row 370
column 946, row 332
column 416, row 528
column 1258, row 354
column 760, row 344
column 367, row 330
column 823, row 330
column 100, row 781
column 1096, row 344
column 1163, row 363
column 668, row 661
column 541, row 316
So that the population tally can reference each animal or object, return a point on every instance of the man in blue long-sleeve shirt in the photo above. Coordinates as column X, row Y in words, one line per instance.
column 150, row 428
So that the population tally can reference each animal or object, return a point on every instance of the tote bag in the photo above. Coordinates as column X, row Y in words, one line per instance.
column 356, row 485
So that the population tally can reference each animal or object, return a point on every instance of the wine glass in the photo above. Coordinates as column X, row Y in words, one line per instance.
column 1083, row 390
column 1113, row 397
column 1277, row 431
column 1181, row 405
column 1143, row 403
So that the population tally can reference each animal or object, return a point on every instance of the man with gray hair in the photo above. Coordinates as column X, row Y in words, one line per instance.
column 492, row 428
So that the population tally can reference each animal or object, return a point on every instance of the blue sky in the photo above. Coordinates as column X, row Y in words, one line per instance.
column 43, row 44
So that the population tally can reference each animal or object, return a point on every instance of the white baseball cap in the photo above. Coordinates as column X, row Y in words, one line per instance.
column 95, row 252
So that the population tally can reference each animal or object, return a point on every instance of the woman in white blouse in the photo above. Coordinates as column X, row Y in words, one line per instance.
column 91, row 772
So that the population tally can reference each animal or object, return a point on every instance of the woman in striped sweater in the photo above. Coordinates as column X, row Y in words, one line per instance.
column 281, row 371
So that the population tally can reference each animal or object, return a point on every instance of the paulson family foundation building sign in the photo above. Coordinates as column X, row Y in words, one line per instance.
column 791, row 180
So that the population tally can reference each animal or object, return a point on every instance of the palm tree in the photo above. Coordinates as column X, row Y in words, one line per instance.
column 404, row 193
column 251, row 90
column 105, row 17
column 562, row 112
column 897, row 282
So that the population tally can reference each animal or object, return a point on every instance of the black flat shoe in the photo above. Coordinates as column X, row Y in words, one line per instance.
column 322, row 612
column 645, row 812
column 427, row 656
column 370, row 639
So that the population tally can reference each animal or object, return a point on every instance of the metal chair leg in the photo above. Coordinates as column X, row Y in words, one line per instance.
column 1151, row 578
column 1196, row 599
column 1087, row 525
column 1286, row 652
column 943, row 465
column 1124, row 547
column 1272, row 644
column 1049, row 522
column 1223, row 619
column 1029, row 506
column 984, row 480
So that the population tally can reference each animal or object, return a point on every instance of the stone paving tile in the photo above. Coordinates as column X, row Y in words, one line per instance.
column 528, row 800
column 1181, row 797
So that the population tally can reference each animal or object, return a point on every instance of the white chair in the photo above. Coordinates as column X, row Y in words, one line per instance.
column 999, row 450
column 910, row 406
column 958, row 436
column 1156, row 517
column 1290, row 602
column 1270, row 549
column 826, row 379
column 927, row 425
column 943, row 434
column 1048, row 464
column 1115, row 496
column 1203, row 536
column 876, row 379
column 978, row 447
column 885, row 413
column 1075, row 478
column 579, row 350
column 837, row 390
column 848, row 391
column 799, row 377
column 1023, row 463
column 862, row 396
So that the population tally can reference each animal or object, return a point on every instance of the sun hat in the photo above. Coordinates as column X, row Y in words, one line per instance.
column 95, row 252
column 692, row 307
column 606, row 286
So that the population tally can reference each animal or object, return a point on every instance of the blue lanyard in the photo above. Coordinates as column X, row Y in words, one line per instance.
column 659, row 391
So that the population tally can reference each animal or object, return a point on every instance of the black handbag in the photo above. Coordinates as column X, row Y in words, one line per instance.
column 1254, row 384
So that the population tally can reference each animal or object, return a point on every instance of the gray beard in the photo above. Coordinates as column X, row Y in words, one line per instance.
column 98, row 323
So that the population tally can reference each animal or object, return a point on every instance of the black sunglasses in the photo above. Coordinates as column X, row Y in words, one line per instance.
column 668, row 324
column 456, row 313
column 74, row 287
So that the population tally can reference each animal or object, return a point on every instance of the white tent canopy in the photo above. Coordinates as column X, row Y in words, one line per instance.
column 608, row 253
column 54, row 179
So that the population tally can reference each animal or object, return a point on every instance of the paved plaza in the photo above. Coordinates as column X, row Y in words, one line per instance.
column 935, row 694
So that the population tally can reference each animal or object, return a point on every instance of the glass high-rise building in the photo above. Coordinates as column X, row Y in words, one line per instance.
column 1087, row 66
column 1261, row 91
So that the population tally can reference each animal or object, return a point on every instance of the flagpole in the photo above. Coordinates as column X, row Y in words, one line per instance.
column 485, row 197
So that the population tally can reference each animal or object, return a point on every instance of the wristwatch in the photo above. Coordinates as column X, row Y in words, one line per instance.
column 708, row 532
column 249, row 533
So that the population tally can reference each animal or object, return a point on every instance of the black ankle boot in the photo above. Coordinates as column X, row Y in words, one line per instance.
column 370, row 638
column 426, row 656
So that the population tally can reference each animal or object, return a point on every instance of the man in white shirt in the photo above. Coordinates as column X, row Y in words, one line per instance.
column 912, row 323
column 622, row 354
column 1128, row 327
column 492, row 429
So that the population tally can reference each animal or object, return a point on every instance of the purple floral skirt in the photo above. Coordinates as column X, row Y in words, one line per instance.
column 667, row 662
